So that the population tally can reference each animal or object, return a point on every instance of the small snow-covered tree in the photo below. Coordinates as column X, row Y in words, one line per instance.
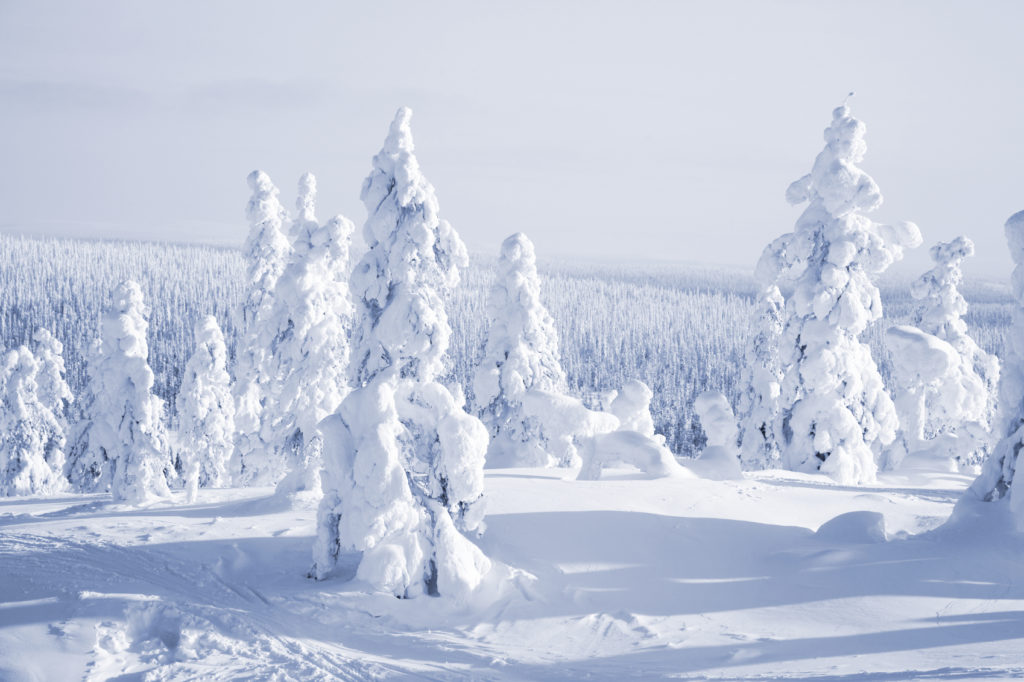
column 520, row 354
column 720, row 458
column 53, row 391
column 311, row 321
column 206, row 411
column 940, row 313
column 266, row 252
column 403, row 462
column 835, row 414
column 997, row 479
column 760, row 382
column 121, row 444
column 28, row 428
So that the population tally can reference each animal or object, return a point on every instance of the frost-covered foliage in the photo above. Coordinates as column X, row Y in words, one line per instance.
column 121, row 441
column 403, row 462
column 266, row 253
column 310, row 323
column 760, row 383
column 53, row 391
column 31, row 436
column 521, row 353
column 997, row 477
column 973, row 403
column 206, row 412
column 835, row 413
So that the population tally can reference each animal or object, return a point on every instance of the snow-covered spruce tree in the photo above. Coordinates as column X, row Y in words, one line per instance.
column 27, row 430
column 835, row 414
column 53, row 391
column 760, row 381
column 403, row 462
column 312, row 320
column 206, row 411
column 940, row 313
column 122, row 441
column 997, row 476
column 520, row 354
column 266, row 252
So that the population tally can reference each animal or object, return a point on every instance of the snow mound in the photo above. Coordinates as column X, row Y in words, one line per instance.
column 852, row 528
column 627, row 447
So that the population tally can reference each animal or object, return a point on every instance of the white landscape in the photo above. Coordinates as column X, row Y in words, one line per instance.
column 707, row 442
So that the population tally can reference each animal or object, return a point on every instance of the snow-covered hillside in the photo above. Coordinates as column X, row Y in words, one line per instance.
column 779, row 576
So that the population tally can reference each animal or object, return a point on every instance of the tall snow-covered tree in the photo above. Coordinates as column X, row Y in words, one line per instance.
column 760, row 382
column 121, row 443
column 940, row 313
column 835, row 414
column 520, row 354
column 312, row 320
column 997, row 479
column 266, row 252
column 28, row 429
column 53, row 391
column 403, row 462
column 206, row 411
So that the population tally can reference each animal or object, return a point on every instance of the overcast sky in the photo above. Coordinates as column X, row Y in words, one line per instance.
column 628, row 130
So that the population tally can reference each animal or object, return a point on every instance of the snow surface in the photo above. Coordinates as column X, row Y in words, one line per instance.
column 675, row 578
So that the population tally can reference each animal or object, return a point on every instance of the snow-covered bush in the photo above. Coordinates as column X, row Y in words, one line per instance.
column 403, row 462
column 266, row 253
column 997, row 476
column 121, row 442
column 206, row 411
column 940, row 313
column 521, row 354
column 835, row 414
column 29, row 462
column 311, row 319
column 760, row 383
column 720, row 457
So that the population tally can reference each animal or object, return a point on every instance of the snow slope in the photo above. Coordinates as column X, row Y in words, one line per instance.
column 676, row 578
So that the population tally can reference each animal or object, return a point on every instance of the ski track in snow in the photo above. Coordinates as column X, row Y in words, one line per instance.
column 636, row 579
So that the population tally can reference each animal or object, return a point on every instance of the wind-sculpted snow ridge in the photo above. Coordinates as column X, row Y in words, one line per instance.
column 206, row 412
column 836, row 415
column 997, row 477
column 520, row 354
column 266, row 253
column 307, row 332
column 121, row 442
column 403, row 462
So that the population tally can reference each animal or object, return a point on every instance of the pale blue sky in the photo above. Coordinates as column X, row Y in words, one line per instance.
column 664, row 130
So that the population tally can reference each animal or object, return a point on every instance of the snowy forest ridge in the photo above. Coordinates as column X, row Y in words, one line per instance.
column 681, row 329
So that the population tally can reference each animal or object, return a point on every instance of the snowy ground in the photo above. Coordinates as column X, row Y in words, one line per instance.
column 636, row 579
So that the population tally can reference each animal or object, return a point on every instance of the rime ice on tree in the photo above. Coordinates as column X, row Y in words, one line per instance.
column 997, row 477
column 520, row 354
column 29, row 463
column 121, row 443
column 760, row 381
column 403, row 463
column 310, row 322
column 266, row 251
column 206, row 411
column 835, row 414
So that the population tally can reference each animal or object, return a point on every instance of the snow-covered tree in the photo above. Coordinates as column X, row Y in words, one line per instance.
column 940, row 313
column 121, row 444
column 521, row 354
column 835, row 414
column 266, row 252
column 720, row 458
column 309, row 350
column 997, row 476
column 403, row 462
column 53, row 391
column 28, row 429
column 760, row 382
column 206, row 411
